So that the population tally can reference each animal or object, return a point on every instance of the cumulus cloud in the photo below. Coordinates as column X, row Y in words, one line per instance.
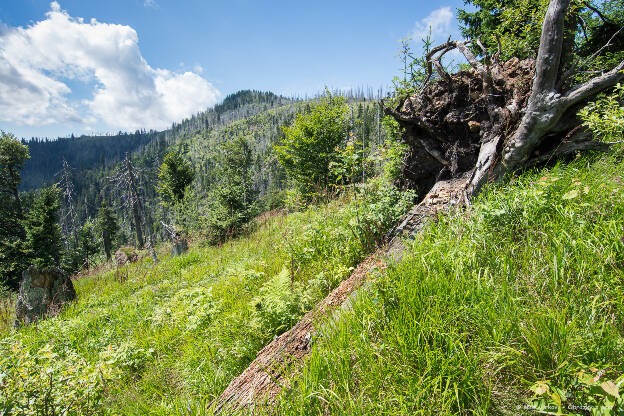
column 440, row 21
column 38, row 62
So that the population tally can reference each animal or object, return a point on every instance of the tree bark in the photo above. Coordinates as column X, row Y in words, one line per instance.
column 488, row 121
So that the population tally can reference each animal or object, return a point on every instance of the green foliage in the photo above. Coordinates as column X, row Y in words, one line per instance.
column 381, row 206
column 13, row 259
column 232, row 198
column 42, row 229
column 175, row 175
column 348, row 166
column 309, row 144
column 13, row 155
column 107, row 227
column 278, row 304
column 517, row 25
column 43, row 383
column 591, row 391
column 522, row 288
column 605, row 116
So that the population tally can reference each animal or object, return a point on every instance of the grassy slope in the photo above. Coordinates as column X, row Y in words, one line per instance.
column 526, row 286
column 170, row 338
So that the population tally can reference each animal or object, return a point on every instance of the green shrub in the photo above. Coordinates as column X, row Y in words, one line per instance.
column 605, row 116
column 309, row 144
column 42, row 382
column 278, row 304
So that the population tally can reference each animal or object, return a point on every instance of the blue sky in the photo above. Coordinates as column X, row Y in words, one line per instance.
column 147, row 63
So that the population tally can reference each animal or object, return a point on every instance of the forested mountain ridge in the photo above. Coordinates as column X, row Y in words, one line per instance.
column 249, row 118
column 96, row 152
column 82, row 153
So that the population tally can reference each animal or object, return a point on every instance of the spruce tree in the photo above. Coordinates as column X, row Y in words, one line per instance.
column 87, row 243
column 13, row 258
column 233, row 197
column 175, row 175
column 43, row 231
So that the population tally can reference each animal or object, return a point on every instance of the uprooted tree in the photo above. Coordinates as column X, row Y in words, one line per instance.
column 498, row 117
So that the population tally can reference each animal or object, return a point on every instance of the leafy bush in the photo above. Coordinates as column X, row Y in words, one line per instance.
column 310, row 142
column 126, row 357
column 41, row 382
column 605, row 116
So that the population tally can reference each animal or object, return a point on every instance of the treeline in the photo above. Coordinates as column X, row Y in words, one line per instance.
column 82, row 153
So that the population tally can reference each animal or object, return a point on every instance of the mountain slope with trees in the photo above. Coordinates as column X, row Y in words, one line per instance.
column 507, row 300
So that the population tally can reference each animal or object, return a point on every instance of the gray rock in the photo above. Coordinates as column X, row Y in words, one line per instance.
column 180, row 246
column 42, row 294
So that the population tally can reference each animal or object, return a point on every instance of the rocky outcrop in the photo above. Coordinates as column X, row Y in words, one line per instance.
column 125, row 255
column 180, row 246
column 42, row 293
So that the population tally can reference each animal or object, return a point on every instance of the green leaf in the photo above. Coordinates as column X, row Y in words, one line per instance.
column 571, row 194
column 611, row 388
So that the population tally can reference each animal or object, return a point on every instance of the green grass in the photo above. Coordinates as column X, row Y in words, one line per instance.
column 514, row 302
column 517, row 301
column 169, row 338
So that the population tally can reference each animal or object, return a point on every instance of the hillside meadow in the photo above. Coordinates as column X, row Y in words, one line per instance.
column 168, row 338
column 514, row 306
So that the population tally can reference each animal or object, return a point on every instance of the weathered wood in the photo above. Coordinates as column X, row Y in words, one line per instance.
column 518, row 107
column 276, row 364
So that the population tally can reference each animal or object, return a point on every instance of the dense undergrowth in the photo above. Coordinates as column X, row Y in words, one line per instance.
column 169, row 338
column 517, row 302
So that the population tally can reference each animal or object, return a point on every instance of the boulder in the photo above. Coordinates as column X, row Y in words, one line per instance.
column 42, row 293
column 180, row 246
column 125, row 255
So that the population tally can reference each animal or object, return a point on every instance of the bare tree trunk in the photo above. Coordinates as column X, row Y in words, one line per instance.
column 488, row 121
column 134, row 202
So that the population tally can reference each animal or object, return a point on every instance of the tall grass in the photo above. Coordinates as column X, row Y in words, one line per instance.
column 503, row 309
column 170, row 337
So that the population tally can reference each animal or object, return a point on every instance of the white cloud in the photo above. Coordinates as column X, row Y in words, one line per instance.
column 150, row 3
column 38, row 62
column 440, row 21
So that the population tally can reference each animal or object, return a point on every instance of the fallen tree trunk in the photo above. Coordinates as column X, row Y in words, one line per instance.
column 496, row 118
column 277, row 363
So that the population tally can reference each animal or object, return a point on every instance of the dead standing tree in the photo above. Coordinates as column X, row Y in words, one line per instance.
column 497, row 118
column 69, row 223
column 126, row 181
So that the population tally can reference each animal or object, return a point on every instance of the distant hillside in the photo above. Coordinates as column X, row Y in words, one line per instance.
column 84, row 152
column 256, row 116
column 99, row 152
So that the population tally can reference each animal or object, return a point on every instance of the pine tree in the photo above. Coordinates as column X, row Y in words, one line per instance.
column 13, row 258
column 43, row 231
